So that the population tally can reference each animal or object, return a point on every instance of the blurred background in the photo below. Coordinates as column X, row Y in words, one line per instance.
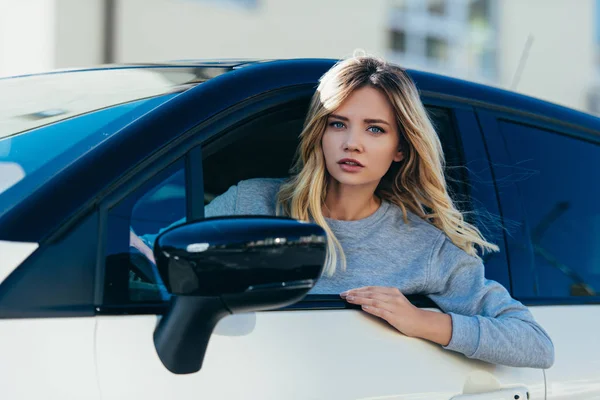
column 548, row 49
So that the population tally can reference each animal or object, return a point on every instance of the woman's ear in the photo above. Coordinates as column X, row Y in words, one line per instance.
column 399, row 156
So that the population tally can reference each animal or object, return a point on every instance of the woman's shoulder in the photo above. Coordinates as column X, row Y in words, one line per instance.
column 258, row 196
column 259, row 186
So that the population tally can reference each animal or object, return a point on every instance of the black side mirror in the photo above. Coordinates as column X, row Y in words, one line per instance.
column 220, row 266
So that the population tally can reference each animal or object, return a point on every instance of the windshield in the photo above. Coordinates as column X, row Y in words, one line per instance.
column 48, row 121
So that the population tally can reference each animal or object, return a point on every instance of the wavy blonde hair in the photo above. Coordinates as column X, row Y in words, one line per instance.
column 416, row 183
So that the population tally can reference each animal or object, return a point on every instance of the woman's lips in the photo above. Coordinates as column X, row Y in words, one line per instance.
column 350, row 168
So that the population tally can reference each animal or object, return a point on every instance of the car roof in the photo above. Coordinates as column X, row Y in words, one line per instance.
column 503, row 100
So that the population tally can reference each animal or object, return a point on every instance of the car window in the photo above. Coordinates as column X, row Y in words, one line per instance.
column 557, row 180
column 131, row 277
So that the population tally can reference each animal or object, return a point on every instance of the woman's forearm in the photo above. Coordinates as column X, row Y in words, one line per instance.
column 433, row 326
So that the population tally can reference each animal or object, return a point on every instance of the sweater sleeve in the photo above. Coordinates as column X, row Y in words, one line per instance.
column 487, row 323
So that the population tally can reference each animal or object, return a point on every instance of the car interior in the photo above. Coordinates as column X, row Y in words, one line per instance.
column 264, row 147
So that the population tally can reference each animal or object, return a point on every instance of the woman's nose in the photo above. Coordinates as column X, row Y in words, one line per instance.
column 352, row 141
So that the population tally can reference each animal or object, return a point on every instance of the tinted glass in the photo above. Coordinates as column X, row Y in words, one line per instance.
column 557, row 177
column 131, row 274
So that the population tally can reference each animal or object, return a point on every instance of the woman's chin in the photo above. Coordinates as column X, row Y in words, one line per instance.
column 351, row 180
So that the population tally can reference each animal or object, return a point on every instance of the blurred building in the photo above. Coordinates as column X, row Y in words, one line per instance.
column 545, row 48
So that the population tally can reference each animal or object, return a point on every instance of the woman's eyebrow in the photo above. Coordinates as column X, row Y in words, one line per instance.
column 367, row 120
column 338, row 117
column 376, row 121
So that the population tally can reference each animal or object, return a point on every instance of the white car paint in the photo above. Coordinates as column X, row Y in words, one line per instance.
column 575, row 331
column 320, row 354
column 46, row 358
column 12, row 255
column 335, row 354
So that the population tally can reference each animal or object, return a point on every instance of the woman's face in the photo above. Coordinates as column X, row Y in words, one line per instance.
column 361, row 139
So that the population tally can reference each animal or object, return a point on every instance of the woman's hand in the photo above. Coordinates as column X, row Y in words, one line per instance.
column 392, row 306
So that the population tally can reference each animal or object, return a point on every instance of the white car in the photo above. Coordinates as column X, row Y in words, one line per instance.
column 87, row 155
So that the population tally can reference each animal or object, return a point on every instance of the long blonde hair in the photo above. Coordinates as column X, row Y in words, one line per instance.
column 417, row 183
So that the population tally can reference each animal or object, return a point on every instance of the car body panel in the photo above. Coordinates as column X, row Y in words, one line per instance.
column 574, row 331
column 320, row 354
column 50, row 358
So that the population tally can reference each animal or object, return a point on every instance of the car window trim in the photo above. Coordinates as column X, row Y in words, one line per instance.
column 312, row 302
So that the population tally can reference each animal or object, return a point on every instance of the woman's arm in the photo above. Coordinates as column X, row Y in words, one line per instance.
column 481, row 320
column 487, row 323
column 391, row 305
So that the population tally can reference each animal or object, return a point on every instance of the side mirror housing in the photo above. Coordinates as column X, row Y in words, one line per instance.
column 229, row 265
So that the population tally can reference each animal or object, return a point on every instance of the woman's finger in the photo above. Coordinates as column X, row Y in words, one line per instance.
column 379, row 301
column 373, row 295
column 391, row 291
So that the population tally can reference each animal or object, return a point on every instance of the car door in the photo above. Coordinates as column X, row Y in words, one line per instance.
column 549, row 194
column 319, row 348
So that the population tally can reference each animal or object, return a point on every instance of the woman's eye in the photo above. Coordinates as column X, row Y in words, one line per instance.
column 336, row 125
column 375, row 129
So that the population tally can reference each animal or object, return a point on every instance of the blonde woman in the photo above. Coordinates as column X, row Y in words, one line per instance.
column 370, row 172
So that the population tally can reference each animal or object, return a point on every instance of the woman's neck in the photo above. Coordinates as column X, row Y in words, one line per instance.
column 349, row 203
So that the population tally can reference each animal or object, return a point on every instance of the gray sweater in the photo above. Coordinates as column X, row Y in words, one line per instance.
column 381, row 250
